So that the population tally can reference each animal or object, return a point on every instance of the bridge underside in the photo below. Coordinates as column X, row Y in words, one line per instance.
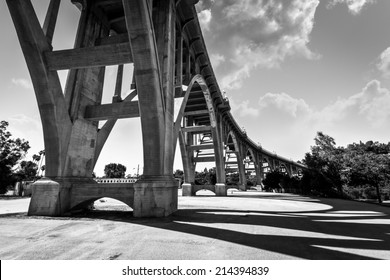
column 163, row 41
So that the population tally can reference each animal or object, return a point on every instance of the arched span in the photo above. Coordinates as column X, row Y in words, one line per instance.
column 284, row 169
column 196, row 80
column 201, row 127
column 87, row 203
column 231, row 153
column 250, row 155
column 250, row 159
column 266, row 166
column 84, row 194
column 231, row 142
column 232, row 160
column 251, row 168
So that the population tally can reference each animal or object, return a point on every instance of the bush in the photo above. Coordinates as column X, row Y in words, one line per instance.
column 272, row 180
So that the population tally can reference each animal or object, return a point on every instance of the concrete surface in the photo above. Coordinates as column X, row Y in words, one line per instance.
column 243, row 225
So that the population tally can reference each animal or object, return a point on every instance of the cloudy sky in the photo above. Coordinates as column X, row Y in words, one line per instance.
column 289, row 68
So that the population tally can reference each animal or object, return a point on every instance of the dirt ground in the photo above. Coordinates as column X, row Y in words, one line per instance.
column 243, row 225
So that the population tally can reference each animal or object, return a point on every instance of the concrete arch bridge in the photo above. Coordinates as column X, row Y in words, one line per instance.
column 162, row 39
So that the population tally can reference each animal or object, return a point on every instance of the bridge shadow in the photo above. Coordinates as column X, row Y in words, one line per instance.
column 349, row 230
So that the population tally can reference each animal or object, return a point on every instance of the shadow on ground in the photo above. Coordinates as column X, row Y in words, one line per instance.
column 349, row 230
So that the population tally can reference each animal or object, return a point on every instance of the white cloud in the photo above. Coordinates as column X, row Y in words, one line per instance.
column 243, row 109
column 384, row 63
column 256, row 33
column 22, row 119
column 204, row 19
column 286, row 103
column 289, row 123
column 24, row 83
column 374, row 103
column 216, row 59
column 354, row 6
column 371, row 104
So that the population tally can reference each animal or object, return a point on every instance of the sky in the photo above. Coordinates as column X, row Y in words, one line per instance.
column 289, row 69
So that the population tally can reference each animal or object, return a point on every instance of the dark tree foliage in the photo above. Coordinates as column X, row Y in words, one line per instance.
column 325, row 166
column 368, row 169
column 338, row 171
column 207, row 177
column 179, row 174
column 11, row 152
column 27, row 172
column 115, row 170
column 233, row 179
column 273, row 180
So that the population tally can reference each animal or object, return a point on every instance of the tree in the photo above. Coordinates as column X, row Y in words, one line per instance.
column 207, row 177
column 11, row 152
column 325, row 164
column 358, row 169
column 232, row 178
column 27, row 172
column 369, row 169
column 179, row 174
column 272, row 180
column 115, row 170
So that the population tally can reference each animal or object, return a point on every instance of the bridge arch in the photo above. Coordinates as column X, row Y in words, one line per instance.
column 86, row 194
column 232, row 162
column 266, row 166
column 284, row 168
column 250, row 167
column 91, row 201
column 198, row 133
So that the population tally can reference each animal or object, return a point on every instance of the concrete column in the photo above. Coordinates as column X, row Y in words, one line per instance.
column 69, row 139
column 259, row 170
column 241, row 168
column 155, row 196
column 188, row 165
column 220, row 189
column 188, row 189
column 219, row 159
column 152, row 39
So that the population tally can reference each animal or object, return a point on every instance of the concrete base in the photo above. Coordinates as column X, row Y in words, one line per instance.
column 155, row 197
column 220, row 189
column 49, row 198
column 53, row 196
column 187, row 189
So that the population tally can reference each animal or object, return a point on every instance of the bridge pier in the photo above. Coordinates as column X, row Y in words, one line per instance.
column 220, row 189
column 50, row 198
column 155, row 197
column 188, row 190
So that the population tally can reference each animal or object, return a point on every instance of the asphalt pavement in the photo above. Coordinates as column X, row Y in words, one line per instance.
column 244, row 225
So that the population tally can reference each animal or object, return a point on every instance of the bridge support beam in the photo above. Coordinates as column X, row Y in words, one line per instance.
column 50, row 198
column 188, row 190
column 220, row 189
column 241, row 168
column 259, row 170
column 155, row 197
column 70, row 140
column 152, row 40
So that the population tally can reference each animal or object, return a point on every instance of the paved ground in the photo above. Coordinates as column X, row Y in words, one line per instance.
column 244, row 225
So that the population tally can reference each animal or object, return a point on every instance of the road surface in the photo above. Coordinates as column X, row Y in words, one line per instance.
column 243, row 225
